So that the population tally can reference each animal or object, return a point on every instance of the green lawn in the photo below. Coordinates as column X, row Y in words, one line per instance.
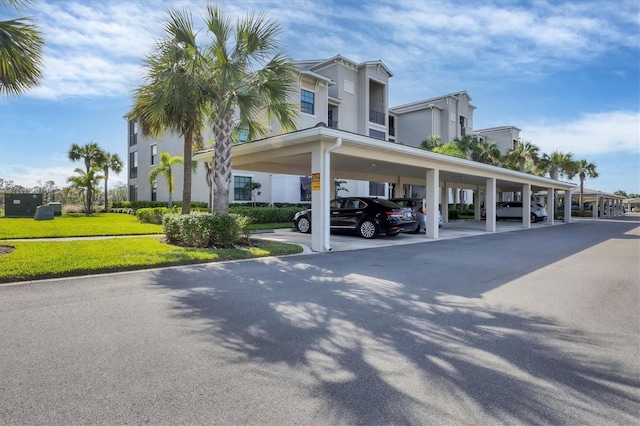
column 98, row 224
column 32, row 260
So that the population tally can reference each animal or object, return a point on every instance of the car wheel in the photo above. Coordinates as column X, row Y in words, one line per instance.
column 367, row 229
column 304, row 225
column 534, row 218
column 415, row 231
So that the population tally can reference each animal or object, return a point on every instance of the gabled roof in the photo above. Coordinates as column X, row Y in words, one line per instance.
column 318, row 64
column 429, row 103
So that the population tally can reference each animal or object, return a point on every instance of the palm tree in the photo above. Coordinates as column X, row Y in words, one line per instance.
column 85, row 183
column 522, row 152
column 583, row 169
column 109, row 162
column 20, row 53
column 93, row 156
column 488, row 152
column 164, row 169
column 249, row 75
column 431, row 142
column 557, row 164
column 467, row 145
column 174, row 98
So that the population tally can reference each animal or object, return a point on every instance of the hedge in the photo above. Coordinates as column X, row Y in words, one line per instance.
column 265, row 214
column 205, row 230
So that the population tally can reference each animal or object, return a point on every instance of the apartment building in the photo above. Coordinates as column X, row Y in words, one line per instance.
column 337, row 93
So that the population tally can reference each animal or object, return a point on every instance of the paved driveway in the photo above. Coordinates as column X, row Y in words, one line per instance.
column 535, row 327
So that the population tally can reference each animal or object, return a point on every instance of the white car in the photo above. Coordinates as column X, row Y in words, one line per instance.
column 513, row 210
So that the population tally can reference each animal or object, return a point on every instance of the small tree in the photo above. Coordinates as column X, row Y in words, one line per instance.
column 93, row 156
column 164, row 169
column 583, row 169
column 109, row 162
column 252, row 189
column 338, row 187
column 85, row 183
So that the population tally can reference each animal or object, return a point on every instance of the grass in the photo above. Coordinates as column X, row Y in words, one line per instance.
column 76, row 225
column 33, row 260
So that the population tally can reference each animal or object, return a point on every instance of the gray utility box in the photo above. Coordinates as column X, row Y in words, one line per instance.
column 43, row 213
column 57, row 208
column 21, row 205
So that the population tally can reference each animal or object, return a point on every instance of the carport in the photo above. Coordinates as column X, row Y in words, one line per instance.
column 326, row 154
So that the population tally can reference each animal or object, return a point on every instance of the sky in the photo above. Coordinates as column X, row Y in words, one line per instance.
column 567, row 73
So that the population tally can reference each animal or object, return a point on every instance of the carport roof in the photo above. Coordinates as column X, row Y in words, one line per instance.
column 365, row 158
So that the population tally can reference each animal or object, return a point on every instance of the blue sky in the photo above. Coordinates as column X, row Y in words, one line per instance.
column 566, row 73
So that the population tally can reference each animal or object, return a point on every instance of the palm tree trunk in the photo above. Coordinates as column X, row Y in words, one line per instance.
column 106, row 193
column 186, row 187
column 222, row 165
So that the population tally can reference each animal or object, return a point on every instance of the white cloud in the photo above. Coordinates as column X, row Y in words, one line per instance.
column 597, row 133
column 96, row 48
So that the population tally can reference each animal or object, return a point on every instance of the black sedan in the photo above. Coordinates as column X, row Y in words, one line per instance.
column 368, row 216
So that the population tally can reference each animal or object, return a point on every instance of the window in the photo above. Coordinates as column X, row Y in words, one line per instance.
column 307, row 100
column 133, row 165
column 154, row 192
column 240, row 192
column 243, row 135
column 133, row 192
column 376, row 189
column 133, row 133
column 392, row 126
column 154, row 154
column 305, row 188
column 377, row 134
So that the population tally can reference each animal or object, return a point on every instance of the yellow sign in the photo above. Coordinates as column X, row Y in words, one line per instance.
column 315, row 181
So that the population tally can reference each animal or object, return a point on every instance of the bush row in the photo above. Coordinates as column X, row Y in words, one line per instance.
column 205, row 230
column 151, row 204
column 266, row 214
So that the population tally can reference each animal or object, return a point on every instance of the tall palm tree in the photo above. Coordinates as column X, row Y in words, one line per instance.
column 250, row 78
column 522, row 152
column 85, row 182
column 175, row 98
column 20, row 53
column 583, row 169
column 109, row 162
column 558, row 164
column 93, row 156
column 164, row 169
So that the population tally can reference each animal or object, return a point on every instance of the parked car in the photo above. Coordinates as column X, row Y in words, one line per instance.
column 483, row 211
column 368, row 216
column 513, row 210
column 416, row 204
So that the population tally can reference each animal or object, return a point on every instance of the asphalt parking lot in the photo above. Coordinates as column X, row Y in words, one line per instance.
column 450, row 230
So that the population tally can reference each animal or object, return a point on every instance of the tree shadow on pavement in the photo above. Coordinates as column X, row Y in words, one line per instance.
column 385, row 349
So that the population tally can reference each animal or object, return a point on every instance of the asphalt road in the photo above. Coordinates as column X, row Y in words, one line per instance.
column 533, row 327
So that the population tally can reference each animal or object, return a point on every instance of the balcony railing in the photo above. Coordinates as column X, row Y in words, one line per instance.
column 376, row 117
column 332, row 123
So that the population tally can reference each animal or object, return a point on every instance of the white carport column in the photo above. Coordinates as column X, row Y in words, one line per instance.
column 567, row 206
column 551, row 205
column 595, row 206
column 490, row 204
column 444, row 202
column 526, row 206
column 476, row 204
column 432, row 185
column 320, row 197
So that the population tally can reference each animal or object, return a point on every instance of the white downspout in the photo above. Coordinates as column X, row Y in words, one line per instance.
column 326, row 195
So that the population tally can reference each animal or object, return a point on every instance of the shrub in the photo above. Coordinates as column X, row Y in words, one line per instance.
column 454, row 214
column 266, row 214
column 205, row 229
column 153, row 215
